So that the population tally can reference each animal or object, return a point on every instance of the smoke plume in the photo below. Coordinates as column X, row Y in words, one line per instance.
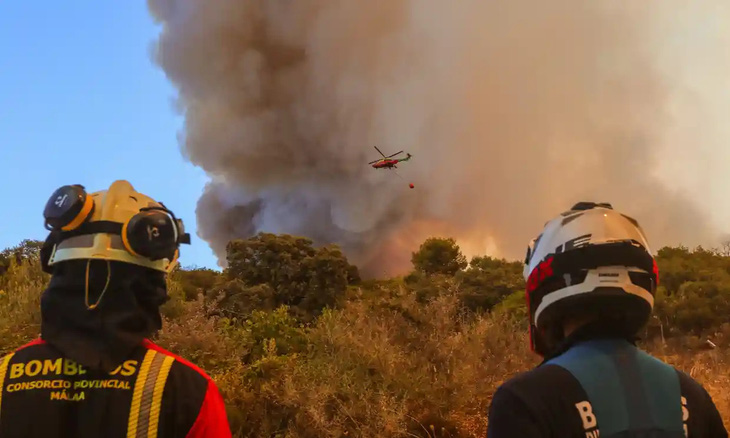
column 513, row 111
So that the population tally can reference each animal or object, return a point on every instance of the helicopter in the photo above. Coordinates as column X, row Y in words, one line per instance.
column 388, row 162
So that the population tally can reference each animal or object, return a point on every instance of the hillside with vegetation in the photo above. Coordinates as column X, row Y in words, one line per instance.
column 301, row 346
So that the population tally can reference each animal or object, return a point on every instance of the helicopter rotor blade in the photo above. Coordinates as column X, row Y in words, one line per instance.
column 391, row 156
column 376, row 148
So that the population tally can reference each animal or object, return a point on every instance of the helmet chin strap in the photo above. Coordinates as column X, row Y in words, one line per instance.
column 106, row 286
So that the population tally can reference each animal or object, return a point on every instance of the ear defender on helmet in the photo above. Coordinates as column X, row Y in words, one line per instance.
column 68, row 208
column 154, row 233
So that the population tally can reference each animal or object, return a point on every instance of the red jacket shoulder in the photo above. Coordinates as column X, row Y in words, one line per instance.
column 211, row 421
column 37, row 341
column 152, row 346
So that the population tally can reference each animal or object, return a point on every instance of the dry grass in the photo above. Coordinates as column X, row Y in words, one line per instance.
column 711, row 370
column 382, row 365
column 20, row 291
column 709, row 367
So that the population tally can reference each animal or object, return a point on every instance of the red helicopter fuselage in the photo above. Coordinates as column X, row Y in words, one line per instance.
column 385, row 164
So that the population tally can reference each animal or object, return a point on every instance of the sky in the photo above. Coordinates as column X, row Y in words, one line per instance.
column 82, row 103
column 513, row 112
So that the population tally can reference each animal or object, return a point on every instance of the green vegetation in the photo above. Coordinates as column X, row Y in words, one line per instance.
column 301, row 347
column 439, row 256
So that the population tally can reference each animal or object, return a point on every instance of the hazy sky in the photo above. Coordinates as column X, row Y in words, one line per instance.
column 513, row 111
column 81, row 102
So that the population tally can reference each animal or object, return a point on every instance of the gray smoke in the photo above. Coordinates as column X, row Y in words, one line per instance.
column 512, row 110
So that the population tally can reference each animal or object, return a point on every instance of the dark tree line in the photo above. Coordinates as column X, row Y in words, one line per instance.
column 268, row 271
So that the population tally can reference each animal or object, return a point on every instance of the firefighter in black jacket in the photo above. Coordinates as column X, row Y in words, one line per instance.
column 93, row 372
column 591, row 281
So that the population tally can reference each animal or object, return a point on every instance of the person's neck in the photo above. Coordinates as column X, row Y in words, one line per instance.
column 575, row 324
column 578, row 331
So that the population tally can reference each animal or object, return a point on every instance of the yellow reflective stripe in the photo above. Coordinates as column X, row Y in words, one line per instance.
column 144, row 411
column 145, row 405
column 3, row 372
column 157, row 397
column 138, row 390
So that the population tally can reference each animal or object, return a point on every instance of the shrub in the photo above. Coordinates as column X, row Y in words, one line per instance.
column 304, row 278
column 439, row 256
column 488, row 281
column 398, row 357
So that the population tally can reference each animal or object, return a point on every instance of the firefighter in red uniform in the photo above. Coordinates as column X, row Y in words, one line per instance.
column 93, row 372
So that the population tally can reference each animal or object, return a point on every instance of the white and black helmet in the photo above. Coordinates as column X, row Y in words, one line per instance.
column 589, row 259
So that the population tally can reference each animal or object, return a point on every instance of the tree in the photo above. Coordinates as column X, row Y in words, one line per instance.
column 196, row 281
column 239, row 300
column 305, row 278
column 700, row 306
column 694, row 292
column 439, row 256
column 488, row 281
column 724, row 249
